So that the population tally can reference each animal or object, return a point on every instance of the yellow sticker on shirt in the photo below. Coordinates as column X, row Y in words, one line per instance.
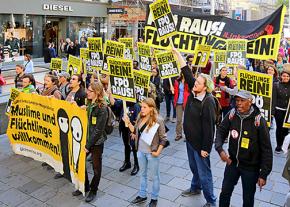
column 245, row 143
column 94, row 120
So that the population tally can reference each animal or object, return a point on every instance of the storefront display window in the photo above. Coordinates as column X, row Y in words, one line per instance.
column 20, row 34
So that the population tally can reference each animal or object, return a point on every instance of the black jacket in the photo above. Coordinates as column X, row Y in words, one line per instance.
column 280, row 96
column 80, row 97
column 166, row 85
column 199, row 122
column 249, row 143
column 97, row 119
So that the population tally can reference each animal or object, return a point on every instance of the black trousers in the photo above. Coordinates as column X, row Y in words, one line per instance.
column 129, row 146
column 97, row 152
column 281, row 132
column 231, row 178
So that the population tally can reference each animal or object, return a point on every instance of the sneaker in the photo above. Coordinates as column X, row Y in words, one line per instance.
column 76, row 193
column 91, row 196
column 167, row 118
column 173, row 120
column 189, row 192
column 209, row 205
column 153, row 203
column 58, row 175
column 138, row 200
column 278, row 151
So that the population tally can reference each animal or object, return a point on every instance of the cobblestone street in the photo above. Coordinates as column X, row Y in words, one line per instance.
column 23, row 182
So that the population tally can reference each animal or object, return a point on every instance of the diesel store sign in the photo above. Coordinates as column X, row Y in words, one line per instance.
column 57, row 7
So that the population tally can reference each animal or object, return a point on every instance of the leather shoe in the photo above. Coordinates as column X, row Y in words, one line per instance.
column 91, row 196
column 153, row 203
column 125, row 166
column 138, row 200
column 76, row 193
column 135, row 170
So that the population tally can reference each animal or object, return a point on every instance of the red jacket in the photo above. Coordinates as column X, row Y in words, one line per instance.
column 176, row 93
column 225, row 98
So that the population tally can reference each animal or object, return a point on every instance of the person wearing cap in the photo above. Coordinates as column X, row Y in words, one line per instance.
column 199, row 129
column 63, row 79
column 250, row 152
column 280, row 100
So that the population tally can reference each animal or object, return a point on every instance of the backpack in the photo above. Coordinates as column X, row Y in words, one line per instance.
column 111, row 121
column 218, row 109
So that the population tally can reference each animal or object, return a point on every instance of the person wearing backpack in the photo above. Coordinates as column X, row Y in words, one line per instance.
column 250, row 153
column 2, row 81
column 133, row 110
column 96, row 136
column 199, row 129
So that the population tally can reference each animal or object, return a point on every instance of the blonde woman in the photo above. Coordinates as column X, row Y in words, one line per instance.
column 150, row 138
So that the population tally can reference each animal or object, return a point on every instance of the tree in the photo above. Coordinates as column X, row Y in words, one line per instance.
column 284, row 2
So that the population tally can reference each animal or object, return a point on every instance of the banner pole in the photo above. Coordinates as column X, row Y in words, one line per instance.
column 125, row 110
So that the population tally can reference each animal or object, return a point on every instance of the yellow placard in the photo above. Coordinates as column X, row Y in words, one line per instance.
column 163, row 19
column 260, row 85
column 236, row 52
column 51, row 131
column 121, row 79
column 201, row 55
column 219, row 56
column 167, row 65
column 141, row 82
column 112, row 49
column 84, row 54
column 95, row 44
column 144, row 53
column 74, row 65
column 56, row 64
column 129, row 47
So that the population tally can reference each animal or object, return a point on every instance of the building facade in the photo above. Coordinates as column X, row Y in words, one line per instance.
column 28, row 27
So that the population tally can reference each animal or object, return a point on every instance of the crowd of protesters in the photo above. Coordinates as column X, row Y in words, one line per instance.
column 190, row 103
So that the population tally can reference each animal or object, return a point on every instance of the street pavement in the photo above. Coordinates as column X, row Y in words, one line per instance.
column 25, row 183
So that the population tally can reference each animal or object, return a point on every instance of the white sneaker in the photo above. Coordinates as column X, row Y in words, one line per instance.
column 173, row 120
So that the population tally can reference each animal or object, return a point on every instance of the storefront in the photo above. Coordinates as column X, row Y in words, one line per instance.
column 27, row 28
column 130, row 23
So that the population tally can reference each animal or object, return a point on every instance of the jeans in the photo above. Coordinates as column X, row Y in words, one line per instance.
column 169, row 102
column 0, row 89
column 231, row 177
column 148, row 162
column 97, row 152
column 179, row 116
column 281, row 132
column 202, row 176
